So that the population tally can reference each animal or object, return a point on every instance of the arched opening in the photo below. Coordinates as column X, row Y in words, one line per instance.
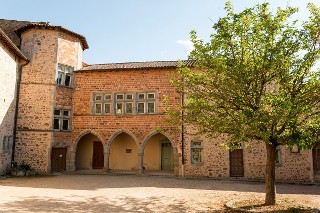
column 89, row 154
column 123, row 154
column 158, row 154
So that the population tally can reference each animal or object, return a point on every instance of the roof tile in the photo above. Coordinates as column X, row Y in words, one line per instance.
column 135, row 65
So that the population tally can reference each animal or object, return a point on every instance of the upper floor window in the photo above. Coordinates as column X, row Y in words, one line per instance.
column 62, row 120
column 64, row 77
column 124, row 103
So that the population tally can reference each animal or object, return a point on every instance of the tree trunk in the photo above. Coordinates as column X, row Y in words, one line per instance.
column 270, row 175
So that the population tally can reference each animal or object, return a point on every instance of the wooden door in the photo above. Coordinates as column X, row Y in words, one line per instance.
column 58, row 159
column 236, row 163
column 316, row 159
column 98, row 157
column 166, row 156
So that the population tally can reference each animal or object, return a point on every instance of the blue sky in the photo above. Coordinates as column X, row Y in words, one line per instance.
column 133, row 30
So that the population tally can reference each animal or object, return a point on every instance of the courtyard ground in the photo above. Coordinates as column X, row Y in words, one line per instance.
column 130, row 193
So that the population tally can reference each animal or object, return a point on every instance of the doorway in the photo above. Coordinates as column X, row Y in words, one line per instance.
column 98, row 156
column 236, row 163
column 166, row 156
column 58, row 159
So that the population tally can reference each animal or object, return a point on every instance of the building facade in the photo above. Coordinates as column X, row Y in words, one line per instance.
column 60, row 114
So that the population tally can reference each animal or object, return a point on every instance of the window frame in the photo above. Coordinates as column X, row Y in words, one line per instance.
column 135, row 99
column 278, row 160
column 61, row 81
column 196, row 147
column 61, row 118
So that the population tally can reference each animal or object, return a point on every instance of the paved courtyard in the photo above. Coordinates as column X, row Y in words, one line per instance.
column 130, row 193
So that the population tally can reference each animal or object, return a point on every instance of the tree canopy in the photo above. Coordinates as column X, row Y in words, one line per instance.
column 256, row 79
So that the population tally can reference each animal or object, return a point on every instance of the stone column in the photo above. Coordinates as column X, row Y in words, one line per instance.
column 107, row 155
column 140, row 160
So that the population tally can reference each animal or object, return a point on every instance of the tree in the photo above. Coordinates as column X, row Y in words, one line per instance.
column 255, row 80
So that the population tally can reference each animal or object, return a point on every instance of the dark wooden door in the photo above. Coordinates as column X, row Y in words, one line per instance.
column 236, row 163
column 316, row 159
column 98, row 157
column 58, row 159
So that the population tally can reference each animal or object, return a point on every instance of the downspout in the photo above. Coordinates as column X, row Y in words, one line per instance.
column 182, row 132
column 19, row 69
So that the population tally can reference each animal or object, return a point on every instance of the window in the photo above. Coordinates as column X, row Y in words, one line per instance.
column 64, row 77
column 6, row 143
column 61, row 120
column 278, row 155
column 102, row 104
column 124, row 103
column 196, row 152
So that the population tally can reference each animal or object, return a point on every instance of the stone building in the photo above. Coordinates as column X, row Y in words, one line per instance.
column 60, row 114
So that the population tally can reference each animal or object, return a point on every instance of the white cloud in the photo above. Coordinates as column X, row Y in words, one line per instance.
column 188, row 45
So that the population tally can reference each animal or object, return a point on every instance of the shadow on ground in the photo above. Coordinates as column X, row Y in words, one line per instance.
column 95, row 182
column 124, row 204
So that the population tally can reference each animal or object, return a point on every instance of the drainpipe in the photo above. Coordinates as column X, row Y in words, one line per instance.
column 19, row 69
column 182, row 132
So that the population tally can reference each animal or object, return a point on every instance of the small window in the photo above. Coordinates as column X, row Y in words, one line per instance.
column 107, row 97
column 98, row 108
column 129, row 107
column 151, row 96
column 61, row 121
column 196, row 152
column 129, row 97
column 64, row 75
column 119, row 108
column 56, row 124
column 119, row 96
column 66, row 113
column 141, row 108
column 98, row 98
column 141, row 96
column 151, row 107
column 57, row 112
column 107, row 108
column 65, row 124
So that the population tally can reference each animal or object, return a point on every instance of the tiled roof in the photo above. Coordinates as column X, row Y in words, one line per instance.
column 14, row 28
column 50, row 27
column 135, row 65
column 12, row 47
column 10, row 26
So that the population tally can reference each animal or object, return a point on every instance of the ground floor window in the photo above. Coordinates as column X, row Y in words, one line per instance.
column 278, row 155
column 196, row 152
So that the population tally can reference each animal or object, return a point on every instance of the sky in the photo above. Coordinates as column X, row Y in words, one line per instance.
column 134, row 30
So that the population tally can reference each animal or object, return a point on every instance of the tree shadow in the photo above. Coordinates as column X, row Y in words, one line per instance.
column 96, row 204
column 94, row 182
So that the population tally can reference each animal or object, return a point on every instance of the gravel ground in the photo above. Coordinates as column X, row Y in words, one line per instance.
column 130, row 193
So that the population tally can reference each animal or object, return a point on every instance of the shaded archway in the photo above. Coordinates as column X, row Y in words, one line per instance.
column 123, row 153
column 89, row 153
column 158, row 154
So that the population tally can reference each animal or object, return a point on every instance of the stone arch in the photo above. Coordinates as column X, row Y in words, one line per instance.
column 83, row 133
column 91, row 147
column 114, row 135
column 152, row 148
column 122, row 152
column 145, row 140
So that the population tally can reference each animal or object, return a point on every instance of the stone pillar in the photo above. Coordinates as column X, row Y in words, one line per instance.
column 140, row 160
column 107, row 155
